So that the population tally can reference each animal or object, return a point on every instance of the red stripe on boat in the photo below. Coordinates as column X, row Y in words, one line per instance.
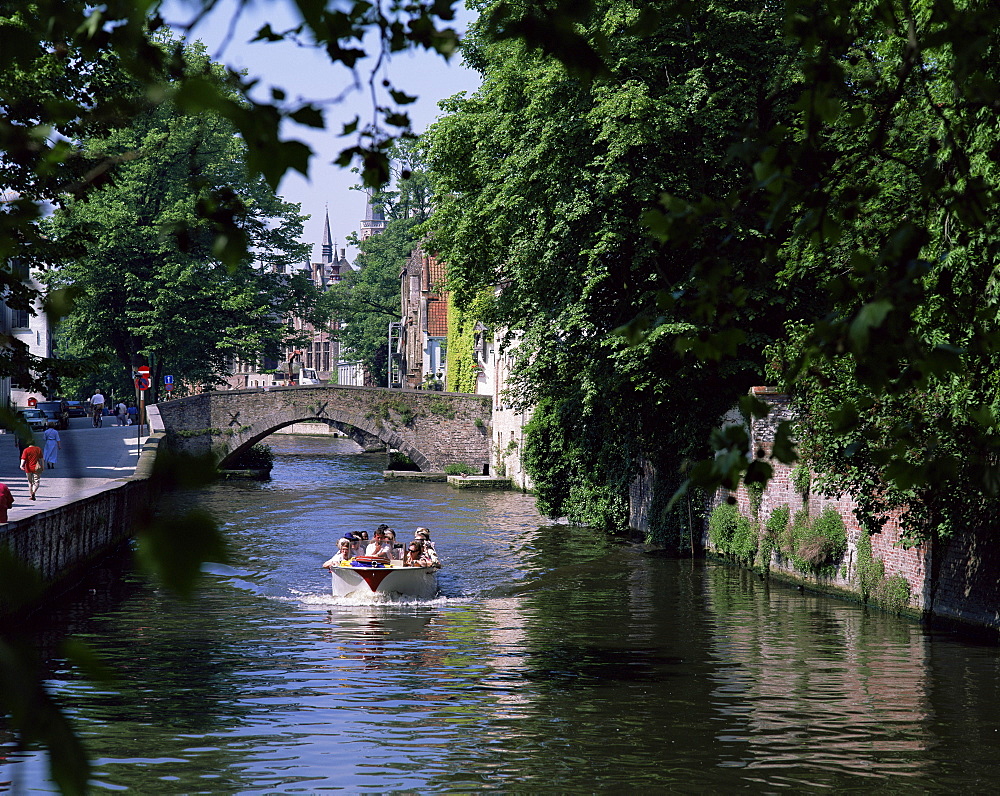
column 373, row 577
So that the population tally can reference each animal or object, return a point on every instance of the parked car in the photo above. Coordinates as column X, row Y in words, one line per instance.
column 36, row 419
column 56, row 410
column 77, row 408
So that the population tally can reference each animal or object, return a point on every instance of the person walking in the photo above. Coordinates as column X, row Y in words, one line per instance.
column 31, row 464
column 53, row 444
column 121, row 412
column 6, row 501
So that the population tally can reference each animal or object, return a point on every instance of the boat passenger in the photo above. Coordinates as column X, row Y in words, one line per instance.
column 424, row 536
column 344, row 553
column 397, row 549
column 416, row 556
column 380, row 548
column 357, row 545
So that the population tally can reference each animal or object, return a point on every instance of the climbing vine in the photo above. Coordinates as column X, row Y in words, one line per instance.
column 463, row 369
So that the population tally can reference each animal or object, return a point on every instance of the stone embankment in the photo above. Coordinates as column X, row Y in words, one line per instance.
column 958, row 579
column 86, row 507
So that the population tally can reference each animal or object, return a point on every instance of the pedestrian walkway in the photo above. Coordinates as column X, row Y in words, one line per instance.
column 90, row 459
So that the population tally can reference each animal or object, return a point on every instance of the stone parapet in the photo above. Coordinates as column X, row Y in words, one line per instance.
column 434, row 429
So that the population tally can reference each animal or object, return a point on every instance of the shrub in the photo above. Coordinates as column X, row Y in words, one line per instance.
column 400, row 461
column 731, row 533
column 871, row 571
column 755, row 491
column 895, row 593
column 256, row 457
column 744, row 541
column 458, row 469
column 776, row 527
column 798, row 530
column 830, row 526
column 722, row 526
column 775, row 530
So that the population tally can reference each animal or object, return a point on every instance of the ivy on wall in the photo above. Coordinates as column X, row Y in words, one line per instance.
column 463, row 369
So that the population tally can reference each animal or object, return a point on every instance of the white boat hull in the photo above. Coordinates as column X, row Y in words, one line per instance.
column 351, row 581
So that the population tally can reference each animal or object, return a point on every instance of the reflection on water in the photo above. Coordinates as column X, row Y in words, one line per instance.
column 552, row 660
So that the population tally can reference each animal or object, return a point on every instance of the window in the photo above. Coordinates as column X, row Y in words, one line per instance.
column 18, row 319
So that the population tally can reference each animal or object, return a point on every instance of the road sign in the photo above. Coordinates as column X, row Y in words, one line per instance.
column 168, row 379
column 143, row 370
column 168, row 386
column 142, row 382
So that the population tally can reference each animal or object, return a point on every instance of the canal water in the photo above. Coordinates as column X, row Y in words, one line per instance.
column 553, row 661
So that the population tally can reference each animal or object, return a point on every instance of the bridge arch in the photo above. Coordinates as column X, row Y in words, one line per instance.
column 434, row 429
column 268, row 425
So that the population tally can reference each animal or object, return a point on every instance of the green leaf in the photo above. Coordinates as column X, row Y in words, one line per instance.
column 870, row 316
column 310, row 116
column 784, row 448
column 173, row 549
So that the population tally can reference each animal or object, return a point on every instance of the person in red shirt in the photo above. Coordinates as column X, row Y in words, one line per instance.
column 6, row 501
column 32, row 464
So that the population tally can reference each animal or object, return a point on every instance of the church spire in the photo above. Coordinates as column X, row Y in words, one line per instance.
column 327, row 249
column 374, row 220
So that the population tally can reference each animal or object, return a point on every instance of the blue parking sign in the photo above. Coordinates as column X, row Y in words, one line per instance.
column 168, row 379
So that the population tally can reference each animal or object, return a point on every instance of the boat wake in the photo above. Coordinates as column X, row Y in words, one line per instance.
column 359, row 599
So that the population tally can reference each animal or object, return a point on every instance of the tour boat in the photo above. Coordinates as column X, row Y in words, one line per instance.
column 387, row 579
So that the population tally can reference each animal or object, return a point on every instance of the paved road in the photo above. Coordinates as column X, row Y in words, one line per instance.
column 89, row 459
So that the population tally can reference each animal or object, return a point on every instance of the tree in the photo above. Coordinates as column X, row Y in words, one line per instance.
column 140, row 252
column 542, row 178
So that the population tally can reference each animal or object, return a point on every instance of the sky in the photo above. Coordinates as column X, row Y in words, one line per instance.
column 308, row 74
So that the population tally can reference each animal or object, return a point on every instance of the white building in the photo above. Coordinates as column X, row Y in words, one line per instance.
column 495, row 363
column 31, row 329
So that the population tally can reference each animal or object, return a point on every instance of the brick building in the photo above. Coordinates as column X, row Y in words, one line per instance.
column 420, row 353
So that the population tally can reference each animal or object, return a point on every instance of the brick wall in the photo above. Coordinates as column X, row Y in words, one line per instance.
column 956, row 579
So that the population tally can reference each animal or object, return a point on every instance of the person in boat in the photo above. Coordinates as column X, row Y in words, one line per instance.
column 416, row 556
column 357, row 545
column 380, row 548
column 397, row 549
column 344, row 553
column 423, row 536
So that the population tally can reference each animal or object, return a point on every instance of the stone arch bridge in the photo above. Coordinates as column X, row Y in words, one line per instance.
column 434, row 429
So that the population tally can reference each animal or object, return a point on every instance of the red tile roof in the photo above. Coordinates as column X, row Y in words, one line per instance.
column 435, row 274
column 437, row 318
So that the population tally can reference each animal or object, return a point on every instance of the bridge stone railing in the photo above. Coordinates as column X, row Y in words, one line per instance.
column 434, row 429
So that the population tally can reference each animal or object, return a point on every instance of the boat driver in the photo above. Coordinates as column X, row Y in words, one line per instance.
column 380, row 548
column 397, row 549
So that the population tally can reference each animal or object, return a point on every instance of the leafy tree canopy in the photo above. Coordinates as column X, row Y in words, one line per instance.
column 830, row 163
column 141, row 254
column 542, row 178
